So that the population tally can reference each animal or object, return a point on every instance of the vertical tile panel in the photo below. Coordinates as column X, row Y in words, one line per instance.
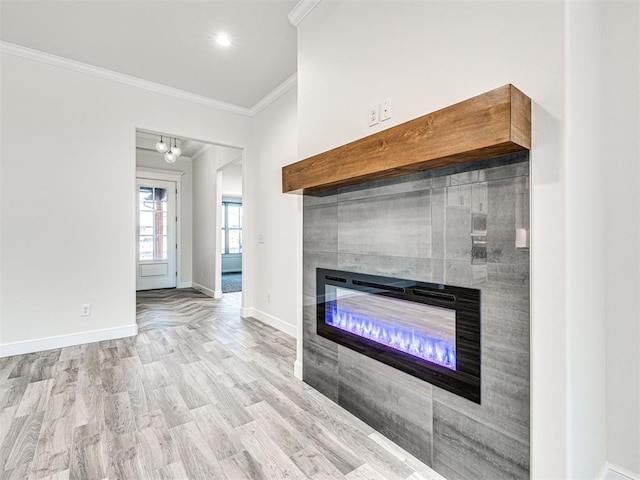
column 420, row 228
column 395, row 225
column 320, row 225
column 394, row 403
column 465, row 449
column 501, row 221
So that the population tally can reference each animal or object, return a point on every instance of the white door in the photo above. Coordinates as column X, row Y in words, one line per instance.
column 156, row 243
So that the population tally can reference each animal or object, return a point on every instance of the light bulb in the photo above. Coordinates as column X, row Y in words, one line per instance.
column 161, row 147
column 223, row 39
column 176, row 151
column 170, row 157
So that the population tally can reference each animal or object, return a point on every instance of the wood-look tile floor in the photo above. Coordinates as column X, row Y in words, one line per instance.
column 199, row 394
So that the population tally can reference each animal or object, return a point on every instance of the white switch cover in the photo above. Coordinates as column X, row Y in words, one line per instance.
column 374, row 114
column 385, row 110
column 260, row 238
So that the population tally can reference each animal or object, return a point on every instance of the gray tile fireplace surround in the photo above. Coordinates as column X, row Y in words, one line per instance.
column 419, row 227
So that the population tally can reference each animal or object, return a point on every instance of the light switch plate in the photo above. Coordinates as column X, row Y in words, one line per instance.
column 374, row 114
column 385, row 110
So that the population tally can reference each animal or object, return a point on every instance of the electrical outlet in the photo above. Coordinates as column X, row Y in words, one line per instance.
column 385, row 110
column 85, row 309
column 269, row 297
column 374, row 114
column 261, row 238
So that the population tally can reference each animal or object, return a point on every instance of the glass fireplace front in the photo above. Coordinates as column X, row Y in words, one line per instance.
column 431, row 331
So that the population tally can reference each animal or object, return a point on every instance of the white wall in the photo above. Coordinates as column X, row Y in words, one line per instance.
column 272, row 215
column 205, row 212
column 621, row 158
column 232, row 180
column 155, row 160
column 429, row 55
column 603, row 231
column 585, row 241
column 67, row 194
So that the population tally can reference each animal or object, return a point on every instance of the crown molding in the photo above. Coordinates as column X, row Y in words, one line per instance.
column 301, row 10
column 201, row 151
column 81, row 67
column 49, row 59
column 276, row 93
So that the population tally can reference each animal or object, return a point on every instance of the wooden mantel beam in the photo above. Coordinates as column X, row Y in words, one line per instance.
column 495, row 123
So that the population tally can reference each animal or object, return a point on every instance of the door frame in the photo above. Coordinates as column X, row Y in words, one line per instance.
column 145, row 173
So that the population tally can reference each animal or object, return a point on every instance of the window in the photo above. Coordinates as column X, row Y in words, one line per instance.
column 231, row 227
column 153, row 223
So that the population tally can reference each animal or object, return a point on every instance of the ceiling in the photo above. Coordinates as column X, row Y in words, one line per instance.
column 166, row 42
column 147, row 141
column 190, row 148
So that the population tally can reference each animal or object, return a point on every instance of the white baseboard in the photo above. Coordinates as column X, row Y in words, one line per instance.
column 207, row 291
column 49, row 343
column 185, row 285
column 270, row 320
column 297, row 370
column 614, row 472
column 217, row 294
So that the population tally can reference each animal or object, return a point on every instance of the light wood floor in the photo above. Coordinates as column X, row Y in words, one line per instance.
column 199, row 393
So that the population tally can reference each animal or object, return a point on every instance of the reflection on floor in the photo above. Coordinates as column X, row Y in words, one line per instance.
column 231, row 282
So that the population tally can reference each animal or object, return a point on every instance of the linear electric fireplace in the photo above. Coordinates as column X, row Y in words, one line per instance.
column 430, row 331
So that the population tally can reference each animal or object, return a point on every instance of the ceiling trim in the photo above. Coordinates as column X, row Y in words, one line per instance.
column 301, row 10
column 158, row 174
column 276, row 93
column 153, row 150
column 42, row 57
column 203, row 149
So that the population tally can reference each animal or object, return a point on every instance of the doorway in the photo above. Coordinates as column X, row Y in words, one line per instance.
column 156, row 227
column 198, row 174
column 231, row 220
column 231, row 246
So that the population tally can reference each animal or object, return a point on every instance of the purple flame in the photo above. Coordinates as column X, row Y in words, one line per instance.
column 435, row 350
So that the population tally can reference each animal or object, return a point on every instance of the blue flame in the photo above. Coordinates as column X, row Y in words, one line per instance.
column 435, row 350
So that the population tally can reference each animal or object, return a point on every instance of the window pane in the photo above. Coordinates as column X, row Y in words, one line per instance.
column 146, row 223
column 160, row 222
column 160, row 195
column 235, row 215
column 164, row 229
column 145, row 196
column 146, row 193
column 232, row 227
column 153, row 223
column 162, row 248
column 146, row 248
column 235, row 241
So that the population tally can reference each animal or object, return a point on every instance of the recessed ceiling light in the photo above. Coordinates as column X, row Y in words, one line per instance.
column 223, row 39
